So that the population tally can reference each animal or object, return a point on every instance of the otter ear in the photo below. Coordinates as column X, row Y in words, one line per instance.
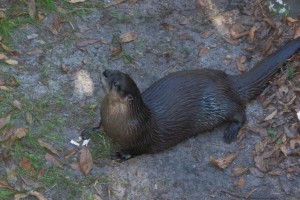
column 129, row 97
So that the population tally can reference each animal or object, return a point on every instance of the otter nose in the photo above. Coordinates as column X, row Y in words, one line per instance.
column 106, row 73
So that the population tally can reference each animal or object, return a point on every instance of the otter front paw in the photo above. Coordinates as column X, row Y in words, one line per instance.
column 121, row 156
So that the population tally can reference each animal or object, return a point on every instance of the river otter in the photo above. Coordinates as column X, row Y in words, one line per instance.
column 182, row 104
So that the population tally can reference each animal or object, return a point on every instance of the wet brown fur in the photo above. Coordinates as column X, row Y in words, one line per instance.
column 182, row 104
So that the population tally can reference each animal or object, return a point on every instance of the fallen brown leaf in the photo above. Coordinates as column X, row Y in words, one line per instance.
column 202, row 51
column 53, row 160
column 4, row 120
column 255, row 172
column 31, row 8
column 26, row 164
column 202, row 3
column 261, row 164
column 5, row 88
column 186, row 21
column 113, row 3
column 240, row 182
column 76, row 1
column 293, row 143
column 40, row 16
column 29, row 118
column 269, row 22
column 240, row 63
column 20, row 196
column 239, row 171
column 230, row 41
column 167, row 26
column 274, row 173
column 223, row 162
column 48, row 146
column 271, row 116
column 17, row 104
column 236, row 31
column 284, row 150
column 34, row 51
column 3, row 57
column 128, row 37
column 38, row 195
column 85, row 160
column 7, row 133
column 70, row 152
column 5, row 184
column 252, row 34
column 11, row 62
column 296, row 32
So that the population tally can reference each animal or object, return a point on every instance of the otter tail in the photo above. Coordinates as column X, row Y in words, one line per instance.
column 253, row 82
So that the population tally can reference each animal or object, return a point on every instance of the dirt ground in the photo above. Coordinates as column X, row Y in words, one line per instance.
column 170, row 35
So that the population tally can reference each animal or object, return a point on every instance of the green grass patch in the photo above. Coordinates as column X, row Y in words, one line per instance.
column 272, row 133
column 6, row 194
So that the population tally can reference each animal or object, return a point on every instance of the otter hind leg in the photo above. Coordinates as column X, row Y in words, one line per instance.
column 234, row 126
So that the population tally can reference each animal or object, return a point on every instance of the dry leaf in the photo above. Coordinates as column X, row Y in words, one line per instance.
column 40, row 16
column 284, row 150
column 237, row 31
column 116, row 51
column 224, row 161
column 85, row 160
column 70, row 152
column 17, row 104
column 293, row 143
column 7, row 133
column 34, row 51
column 230, row 41
column 13, row 82
column 261, row 164
column 297, row 32
column 113, row 3
column 270, row 116
column 239, row 171
column 11, row 62
column 29, row 118
column 53, row 160
column 5, row 184
column 128, row 37
column 186, row 21
column 4, row 120
column 38, row 195
column 76, row 1
column 87, row 42
column 239, row 63
column 252, row 34
column 21, row 132
column 26, row 164
column 203, row 51
column 167, row 26
column 31, row 8
column 20, row 196
column 48, row 146
column 274, row 173
column 96, row 197
column 202, row 3
column 269, row 22
column 5, row 88
column 74, row 165
column 255, row 172
column 240, row 182
column 3, row 57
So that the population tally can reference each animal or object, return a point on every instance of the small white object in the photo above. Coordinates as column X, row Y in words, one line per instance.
column 85, row 142
column 298, row 115
column 75, row 143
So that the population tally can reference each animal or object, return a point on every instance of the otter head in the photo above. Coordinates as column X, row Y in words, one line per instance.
column 119, row 86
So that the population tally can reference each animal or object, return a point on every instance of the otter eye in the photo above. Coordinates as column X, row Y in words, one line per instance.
column 115, row 84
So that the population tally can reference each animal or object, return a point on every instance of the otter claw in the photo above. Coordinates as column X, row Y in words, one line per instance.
column 120, row 156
